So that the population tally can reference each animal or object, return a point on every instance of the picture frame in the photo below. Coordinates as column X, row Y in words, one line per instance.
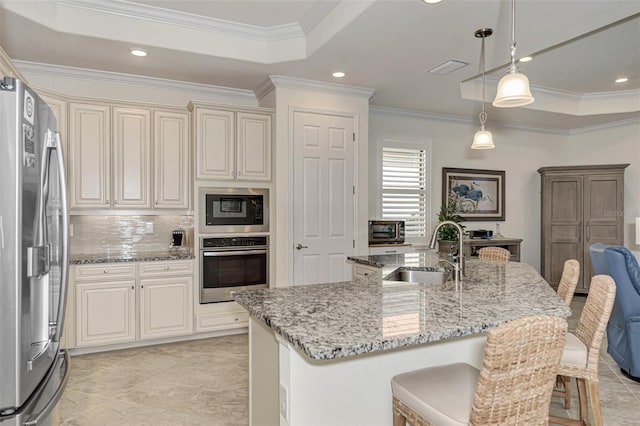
column 477, row 194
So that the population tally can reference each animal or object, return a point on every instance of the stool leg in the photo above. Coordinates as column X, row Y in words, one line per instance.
column 566, row 380
column 594, row 398
column 582, row 400
column 398, row 419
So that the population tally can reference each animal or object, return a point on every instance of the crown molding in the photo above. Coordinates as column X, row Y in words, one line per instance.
column 460, row 119
column 187, row 20
column 283, row 82
column 59, row 71
column 604, row 126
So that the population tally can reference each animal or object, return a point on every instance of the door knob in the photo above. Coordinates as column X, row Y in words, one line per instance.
column 300, row 246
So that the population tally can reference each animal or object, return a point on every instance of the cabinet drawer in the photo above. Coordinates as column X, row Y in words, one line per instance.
column 104, row 271
column 222, row 321
column 173, row 267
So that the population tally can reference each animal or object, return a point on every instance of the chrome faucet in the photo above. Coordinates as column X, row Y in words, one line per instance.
column 458, row 267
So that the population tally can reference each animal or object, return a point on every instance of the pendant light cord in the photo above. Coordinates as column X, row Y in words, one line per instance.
column 513, row 35
column 483, row 115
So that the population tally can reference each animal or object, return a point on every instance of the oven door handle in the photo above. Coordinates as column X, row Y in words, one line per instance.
column 232, row 253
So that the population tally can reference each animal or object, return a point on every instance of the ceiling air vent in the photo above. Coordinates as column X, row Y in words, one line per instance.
column 449, row 66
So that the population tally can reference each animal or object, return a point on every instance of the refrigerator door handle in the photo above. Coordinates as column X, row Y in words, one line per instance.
column 56, row 145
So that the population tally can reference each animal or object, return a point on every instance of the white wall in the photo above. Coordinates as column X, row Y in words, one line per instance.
column 518, row 152
column 614, row 145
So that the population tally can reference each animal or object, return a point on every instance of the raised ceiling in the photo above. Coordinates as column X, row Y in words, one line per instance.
column 387, row 45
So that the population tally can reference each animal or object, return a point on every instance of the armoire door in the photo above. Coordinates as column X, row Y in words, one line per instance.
column 603, row 208
column 563, row 204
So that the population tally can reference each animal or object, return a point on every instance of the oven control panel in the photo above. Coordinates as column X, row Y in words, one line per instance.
column 234, row 242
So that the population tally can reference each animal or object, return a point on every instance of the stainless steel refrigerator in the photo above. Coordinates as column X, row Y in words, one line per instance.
column 33, row 257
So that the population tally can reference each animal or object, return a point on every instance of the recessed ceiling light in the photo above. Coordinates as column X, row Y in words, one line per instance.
column 525, row 59
column 431, row 1
column 622, row 80
column 338, row 74
column 138, row 52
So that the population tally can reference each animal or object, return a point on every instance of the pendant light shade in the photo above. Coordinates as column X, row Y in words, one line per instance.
column 513, row 88
column 483, row 139
column 513, row 91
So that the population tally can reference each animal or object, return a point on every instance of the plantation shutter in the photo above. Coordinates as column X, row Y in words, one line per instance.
column 404, row 184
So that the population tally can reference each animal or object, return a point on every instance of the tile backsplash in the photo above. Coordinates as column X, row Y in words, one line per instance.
column 128, row 235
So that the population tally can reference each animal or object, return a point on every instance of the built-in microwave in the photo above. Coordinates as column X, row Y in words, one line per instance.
column 233, row 210
column 386, row 232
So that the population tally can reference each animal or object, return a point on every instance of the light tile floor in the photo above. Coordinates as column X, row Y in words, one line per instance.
column 205, row 382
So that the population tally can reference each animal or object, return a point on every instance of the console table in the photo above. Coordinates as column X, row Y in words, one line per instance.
column 473, row 245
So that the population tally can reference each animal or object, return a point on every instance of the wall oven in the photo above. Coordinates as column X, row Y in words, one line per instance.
column 231, row 264
column 225, row 210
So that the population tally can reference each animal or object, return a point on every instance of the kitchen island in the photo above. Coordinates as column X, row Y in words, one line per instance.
column 324, row 354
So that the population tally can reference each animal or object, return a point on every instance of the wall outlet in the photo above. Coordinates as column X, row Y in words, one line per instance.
column 148, row 228
column 284, row 402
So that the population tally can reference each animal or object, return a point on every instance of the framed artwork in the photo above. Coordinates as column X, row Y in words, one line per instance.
column 477, row 194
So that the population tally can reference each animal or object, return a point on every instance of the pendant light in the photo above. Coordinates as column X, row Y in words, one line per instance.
column 513, row 88
column 483, row 139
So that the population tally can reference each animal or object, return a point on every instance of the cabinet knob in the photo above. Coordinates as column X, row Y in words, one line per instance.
column 106, row 202
column 105, row 272
column 166, row 268
column 132, row 288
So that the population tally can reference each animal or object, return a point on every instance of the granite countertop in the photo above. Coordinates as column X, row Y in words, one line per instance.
column 129, row 257
column 345, row 319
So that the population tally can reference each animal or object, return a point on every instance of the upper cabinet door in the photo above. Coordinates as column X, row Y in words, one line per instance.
column 132, row 158
column 215, row 157
column 171, row 152
column 89, row 156
column 254, row 146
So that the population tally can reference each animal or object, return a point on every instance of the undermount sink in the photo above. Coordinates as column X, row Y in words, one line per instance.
column 419, row 275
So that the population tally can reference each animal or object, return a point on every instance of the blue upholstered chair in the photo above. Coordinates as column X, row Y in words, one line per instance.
column 623, row 330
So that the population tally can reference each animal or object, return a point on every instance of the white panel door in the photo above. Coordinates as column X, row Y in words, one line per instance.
column 253, row 146
column 89, row 156
column 171, row 151
column 132, row 158
column 105, row 313
column 215, row 144
column 166, row 307
column 323, row 199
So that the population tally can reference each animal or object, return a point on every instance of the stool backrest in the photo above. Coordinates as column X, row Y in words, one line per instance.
column 494, row 253
column 595, row 315
column 569, row 280
column 519, row 371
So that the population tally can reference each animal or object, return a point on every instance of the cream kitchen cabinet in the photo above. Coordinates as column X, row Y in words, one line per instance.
column 121, row 303
column 89, row 156
column 232, row 145
column 171, row 160
column 365, row 272
column 131, row 178
column 105, row 304
column 128, row 158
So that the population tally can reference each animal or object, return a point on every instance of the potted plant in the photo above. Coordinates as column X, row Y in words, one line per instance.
column 448, row 235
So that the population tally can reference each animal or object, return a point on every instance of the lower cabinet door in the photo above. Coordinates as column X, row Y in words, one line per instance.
column 105, row 313
column 166, row 307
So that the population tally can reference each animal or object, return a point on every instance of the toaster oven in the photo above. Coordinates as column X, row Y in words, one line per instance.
column 386, row 232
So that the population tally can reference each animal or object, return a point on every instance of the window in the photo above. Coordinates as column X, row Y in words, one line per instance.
column 404, row 187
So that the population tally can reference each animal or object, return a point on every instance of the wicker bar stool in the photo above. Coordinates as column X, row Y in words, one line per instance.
column 569, row 280
column 521, row 356
column 566, row 289
column 582, row 349
column 494, row 253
